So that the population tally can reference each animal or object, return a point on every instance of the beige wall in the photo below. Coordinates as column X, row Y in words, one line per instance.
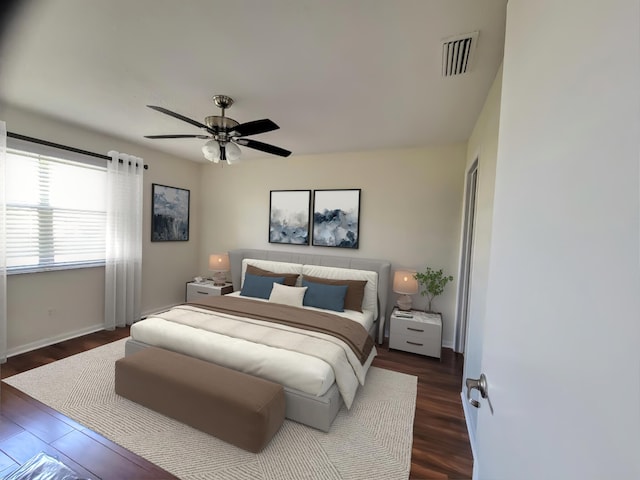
column 411, row 204
column 47, row 307
column 410, row 214
column 482, row 145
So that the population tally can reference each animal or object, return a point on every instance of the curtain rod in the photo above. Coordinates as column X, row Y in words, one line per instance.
column 17, row 136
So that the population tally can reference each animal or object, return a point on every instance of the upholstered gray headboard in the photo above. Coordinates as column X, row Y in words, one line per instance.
column 382, row 267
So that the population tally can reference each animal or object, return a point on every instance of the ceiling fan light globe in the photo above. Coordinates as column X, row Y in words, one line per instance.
column 233, row 153
column 211, row 150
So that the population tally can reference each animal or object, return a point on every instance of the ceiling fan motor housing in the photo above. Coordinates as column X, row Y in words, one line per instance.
column 218, row 123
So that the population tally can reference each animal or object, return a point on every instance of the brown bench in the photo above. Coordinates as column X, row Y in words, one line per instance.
column 241, row 409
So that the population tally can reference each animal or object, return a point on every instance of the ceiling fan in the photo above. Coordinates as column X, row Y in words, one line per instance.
column 225, row 134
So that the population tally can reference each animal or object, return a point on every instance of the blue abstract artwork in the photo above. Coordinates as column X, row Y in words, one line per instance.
column 170, row 214
column 289, row 216
column 336, row 218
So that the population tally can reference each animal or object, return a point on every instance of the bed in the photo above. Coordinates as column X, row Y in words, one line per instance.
column 319, row 372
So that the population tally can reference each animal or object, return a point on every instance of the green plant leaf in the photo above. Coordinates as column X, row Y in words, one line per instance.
column 432, row 282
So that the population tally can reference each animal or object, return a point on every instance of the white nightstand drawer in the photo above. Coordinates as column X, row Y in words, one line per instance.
column 407, row 327
column 423, row 345
column 198, row 291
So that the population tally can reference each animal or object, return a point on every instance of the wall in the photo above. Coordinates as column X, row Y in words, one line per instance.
column 411, row 204
column 483, row 145
column 46, row 307
column 410, row 214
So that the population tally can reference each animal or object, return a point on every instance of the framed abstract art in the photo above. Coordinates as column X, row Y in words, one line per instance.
column 170, row 214
column 336, row 218
column 289, row 216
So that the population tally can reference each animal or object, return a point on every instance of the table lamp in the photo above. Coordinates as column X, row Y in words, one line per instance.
column 219, row 264
column 405, row 284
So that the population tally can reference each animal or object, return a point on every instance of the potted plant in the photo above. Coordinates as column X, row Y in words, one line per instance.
column 432, row 283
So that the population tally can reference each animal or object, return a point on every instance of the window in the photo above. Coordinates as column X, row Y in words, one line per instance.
column 56, row 211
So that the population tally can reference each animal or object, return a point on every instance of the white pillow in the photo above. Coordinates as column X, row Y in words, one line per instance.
column 287, row 295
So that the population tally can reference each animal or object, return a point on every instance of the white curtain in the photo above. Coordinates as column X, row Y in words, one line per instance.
column 124, row 240
column 3, row 243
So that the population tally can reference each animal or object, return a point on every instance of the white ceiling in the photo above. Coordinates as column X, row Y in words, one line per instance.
column 335, row 75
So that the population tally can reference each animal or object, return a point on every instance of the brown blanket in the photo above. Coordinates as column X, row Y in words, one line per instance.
column 350, row 332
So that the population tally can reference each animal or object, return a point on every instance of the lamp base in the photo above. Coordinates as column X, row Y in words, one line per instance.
column 219, row 279
column 404, row 302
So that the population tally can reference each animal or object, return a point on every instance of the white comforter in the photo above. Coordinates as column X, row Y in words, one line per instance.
column 297, row 359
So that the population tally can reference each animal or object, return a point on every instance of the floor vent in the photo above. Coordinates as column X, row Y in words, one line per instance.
column 458, row 54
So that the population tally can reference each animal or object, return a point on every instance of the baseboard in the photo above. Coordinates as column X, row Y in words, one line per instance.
column 69, row 335
column 472, row 436
column 51, row 340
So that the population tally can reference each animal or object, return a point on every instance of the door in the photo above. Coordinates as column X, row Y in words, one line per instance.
column 560, row 345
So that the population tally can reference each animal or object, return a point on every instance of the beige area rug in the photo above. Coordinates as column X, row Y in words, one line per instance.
column 371, row 441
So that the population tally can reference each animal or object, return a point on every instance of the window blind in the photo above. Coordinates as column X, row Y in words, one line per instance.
column 56, row 212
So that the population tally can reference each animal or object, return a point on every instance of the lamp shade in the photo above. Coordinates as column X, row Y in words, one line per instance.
column 219, row 262
column 405, row 283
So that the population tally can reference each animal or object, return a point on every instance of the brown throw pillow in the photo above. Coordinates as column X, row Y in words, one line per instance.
column 355, row 290
column 289, row 278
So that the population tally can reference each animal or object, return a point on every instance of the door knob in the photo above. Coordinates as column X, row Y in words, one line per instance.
column 481, row 385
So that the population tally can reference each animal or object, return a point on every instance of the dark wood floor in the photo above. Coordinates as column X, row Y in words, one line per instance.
column 441, row 448
column 440, row 443
column 28, row 427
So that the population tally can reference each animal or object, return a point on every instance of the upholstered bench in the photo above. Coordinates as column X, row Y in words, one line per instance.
column 241, row 409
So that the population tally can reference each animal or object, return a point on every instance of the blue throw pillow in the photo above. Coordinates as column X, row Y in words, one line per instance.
column 258, row 287
column 320, row 295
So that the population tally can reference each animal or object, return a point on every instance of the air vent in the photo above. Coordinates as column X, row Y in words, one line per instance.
column 457, row 54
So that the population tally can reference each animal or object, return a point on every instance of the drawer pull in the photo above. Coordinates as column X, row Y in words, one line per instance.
column 202, row 293
column 414, row 343
column 415, row 329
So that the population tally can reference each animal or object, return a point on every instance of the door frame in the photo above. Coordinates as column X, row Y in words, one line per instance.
column 466, row 257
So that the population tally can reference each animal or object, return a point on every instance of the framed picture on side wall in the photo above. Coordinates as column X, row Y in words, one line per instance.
column 289, row 216
column 169, row 214
column 336, row 218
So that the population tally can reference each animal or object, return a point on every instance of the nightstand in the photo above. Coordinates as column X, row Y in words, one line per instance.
column 198, row 291
column 415, row 331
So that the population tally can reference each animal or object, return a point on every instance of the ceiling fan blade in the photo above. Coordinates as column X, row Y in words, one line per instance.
column 264, row 147
column 253, row 128
column 176, row 136
column 180, row 117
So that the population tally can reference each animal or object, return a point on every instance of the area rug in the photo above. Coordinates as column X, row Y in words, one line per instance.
column 372, row 440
